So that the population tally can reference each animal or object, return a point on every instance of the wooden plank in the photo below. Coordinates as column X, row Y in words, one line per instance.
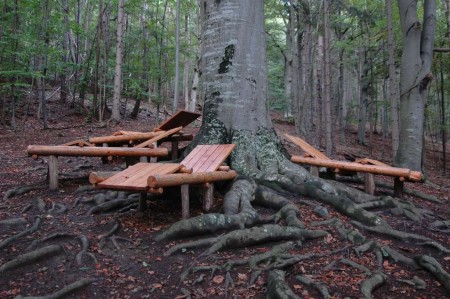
column 135, row 177
column 207, row 153
column 371, row 162
column 189, row 160
column 204, row 158
column 79, row 142
column 159, row 137
column 307, row 148
column 218, row 157
column 181, row 118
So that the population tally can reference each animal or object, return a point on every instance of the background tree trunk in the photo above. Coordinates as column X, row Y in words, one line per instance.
column 118, row 71
column 415, row 76
column 393, row 96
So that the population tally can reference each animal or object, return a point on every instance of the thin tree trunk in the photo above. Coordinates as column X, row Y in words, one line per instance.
column 46, row 39
column 363, row 97
column 392, row 79
column 187, row 64
column 327, row 82
column 319, row 90
column 64, row 91
column 295, row 98
column 177, row 58
column 118, row 70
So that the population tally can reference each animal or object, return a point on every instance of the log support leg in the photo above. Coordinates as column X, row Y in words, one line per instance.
column 185, row 201
column 143, row 159
column 154, row 159
column 314, row 170
column 398, row 187
column 143, row 202
column 174, row 150
column 208, row 197
column 369, row 183
column 53, row 172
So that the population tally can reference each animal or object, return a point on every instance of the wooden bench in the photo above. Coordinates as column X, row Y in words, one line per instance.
column 369, row 167
column 202, row 166
column 141, row 141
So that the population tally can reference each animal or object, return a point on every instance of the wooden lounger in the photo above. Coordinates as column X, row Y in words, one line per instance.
column 202, row 166
column 368, row 166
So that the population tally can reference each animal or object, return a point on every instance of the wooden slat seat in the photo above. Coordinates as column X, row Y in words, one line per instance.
column 203, row 165
column 135, row 177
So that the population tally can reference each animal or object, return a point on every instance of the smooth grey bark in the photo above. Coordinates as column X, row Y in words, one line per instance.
column 294, row 101
column 288, row 75
column 118, row 70
column 392, row 78
column 233, row 65
column 177, row 58
column 363, row 96
column 415, row 77
column 327, row 80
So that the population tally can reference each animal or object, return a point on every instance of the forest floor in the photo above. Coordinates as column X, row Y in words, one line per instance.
column 136, row 267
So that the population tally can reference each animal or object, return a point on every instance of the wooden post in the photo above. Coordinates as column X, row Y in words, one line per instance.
column 174, row 150
column 154, row 159
column 143, row 202
column 208, row 197
column 143, row 159
column 185, row 201
column 53, row 172
column 398, row 187
column 314, row 170
column 369, row 183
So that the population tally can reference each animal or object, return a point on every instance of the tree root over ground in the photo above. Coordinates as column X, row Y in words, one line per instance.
column 269, row 178
column 65, row 291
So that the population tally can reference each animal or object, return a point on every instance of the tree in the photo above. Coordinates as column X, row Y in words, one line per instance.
column 415, row 77
column 235, row 111
column 118, row 71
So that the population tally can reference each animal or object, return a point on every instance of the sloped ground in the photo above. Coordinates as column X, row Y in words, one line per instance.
column 123, row 259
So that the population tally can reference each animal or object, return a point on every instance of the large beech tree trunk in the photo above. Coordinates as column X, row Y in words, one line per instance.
column 235, row 79
column 415, row 76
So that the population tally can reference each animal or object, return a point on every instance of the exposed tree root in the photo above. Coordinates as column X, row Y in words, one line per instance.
column 57, row 208
column 432, row 266
column 48, row 238
column 30, row 230
column 31, row 257
column 263, row 234
column 110, row 205
column 65, row 291
column 317, row 285
column 368, row 285
column 277, row 288
column 416, row 282
column 408, row 191
column 19, row 191
column 13, row 221
column 209, row 223
column 84, row 248
column 403, row 236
